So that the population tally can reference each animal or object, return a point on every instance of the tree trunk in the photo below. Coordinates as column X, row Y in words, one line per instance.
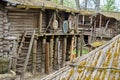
column 86, row 2
column 61, row 2
column 77, row 4
column 97, row 5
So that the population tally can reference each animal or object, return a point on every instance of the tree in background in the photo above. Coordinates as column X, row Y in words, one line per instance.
column 109, row 6
column 77, row 4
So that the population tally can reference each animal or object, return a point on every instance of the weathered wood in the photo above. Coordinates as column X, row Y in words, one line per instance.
column 100, row 23
column 51, row 53
column 40, row 21
column 81, row 44
column 43, row 55
column 47, row 66
column 64, row 51
column 77, row 46
column 34, row 56
column 71, row 49
column 56, row 54
column 83, row 20
column 28, row 55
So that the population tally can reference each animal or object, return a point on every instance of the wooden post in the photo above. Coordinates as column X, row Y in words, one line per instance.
column 91, row 20
column 51, row 53
column 54, row 18
column 43, row 55
column 64, row 51
column 77, row 46
column 56, row 54
column 34, row 56
column 81, row 45
column 94, row 34
column 40, row 22
column 100, row 24
column 76, row 23
column 47, row 59
column 71, row 49
column 83, row 19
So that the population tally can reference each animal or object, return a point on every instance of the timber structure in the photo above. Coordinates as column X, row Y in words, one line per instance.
column 39, row 36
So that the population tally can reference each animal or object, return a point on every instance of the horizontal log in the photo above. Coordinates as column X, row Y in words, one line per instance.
column 18, row 20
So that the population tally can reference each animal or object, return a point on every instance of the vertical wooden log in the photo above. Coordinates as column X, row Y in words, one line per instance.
column 47, row 59
column 54, row 18
column 100, row 24
column 94, row 33
column 56, row 54
column 40, row 22
column 43, row 55
column 51, row 53
column 76, row 22
column 81, row 45
column 91, row 20
column 71, row 49
column 34, row 56
column 83, row 19
column 77, row 46
column 64, row 51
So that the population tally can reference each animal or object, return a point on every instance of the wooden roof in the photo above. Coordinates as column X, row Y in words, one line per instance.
column 111, row 15
column 41, row 4
column 102, row 63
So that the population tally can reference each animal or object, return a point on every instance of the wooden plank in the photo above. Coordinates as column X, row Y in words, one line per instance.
column 47, row 67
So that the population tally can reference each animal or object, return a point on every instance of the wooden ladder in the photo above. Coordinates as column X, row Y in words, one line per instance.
column 24, row 53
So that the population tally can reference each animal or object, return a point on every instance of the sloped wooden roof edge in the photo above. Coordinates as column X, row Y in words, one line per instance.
column 41, row 4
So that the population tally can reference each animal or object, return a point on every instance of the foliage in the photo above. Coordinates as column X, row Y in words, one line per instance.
column 109, row 6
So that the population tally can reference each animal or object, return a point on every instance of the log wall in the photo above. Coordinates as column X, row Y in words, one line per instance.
column 22, row 21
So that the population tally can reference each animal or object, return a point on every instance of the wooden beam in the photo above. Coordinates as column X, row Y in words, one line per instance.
column 43, row 55
column 83, row 19
column 76, row 23
column 47, row 66
column 81, row 45
column 100, row 23
column 64, row 47
column 40, row 22
column 51, row 52
column 56, row 54
column 34, row 56
column 71, row 49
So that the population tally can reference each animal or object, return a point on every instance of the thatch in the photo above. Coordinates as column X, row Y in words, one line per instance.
column 111, row 15
column 41, row 4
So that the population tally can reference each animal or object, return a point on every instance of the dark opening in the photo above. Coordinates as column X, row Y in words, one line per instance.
column 86, row 39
